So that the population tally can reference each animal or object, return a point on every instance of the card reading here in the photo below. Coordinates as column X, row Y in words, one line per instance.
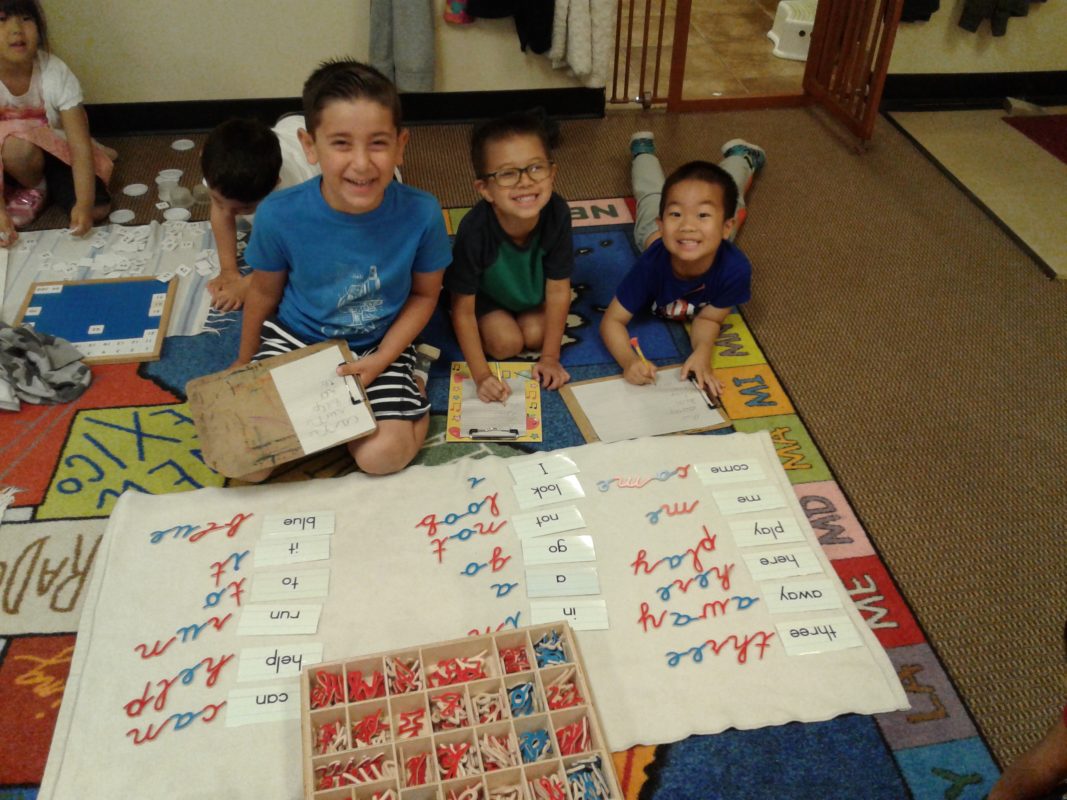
column 766, row 530
column 281, row 551
column 298, row 523
column 279, row 661
column 558, row 549
column 585, row 614
column 810, row 594
column 540, row 523
column 528, row 470
column 254, row 705
column 751, row 498
column 715, row 473
column 550, row 490
column 290, row 585
column 782, row 562
column 278, row 619
column 561, row 581
column 806, row 636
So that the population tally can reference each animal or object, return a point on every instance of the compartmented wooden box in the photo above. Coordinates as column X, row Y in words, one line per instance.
column 503, row 716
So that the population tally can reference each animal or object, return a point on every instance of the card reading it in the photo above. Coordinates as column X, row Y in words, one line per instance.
column 281, row 551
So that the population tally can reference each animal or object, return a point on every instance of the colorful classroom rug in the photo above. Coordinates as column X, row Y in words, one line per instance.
column 131, row 430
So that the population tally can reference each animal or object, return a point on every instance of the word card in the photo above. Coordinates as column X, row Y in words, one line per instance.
column 307, row 523
column 766, row 530
column 547, row 492
column 290, row 585
column 555, row 550
column 754, row 498
column 735, row 471
column 583, row 614
column 287, row 550
column 782, row 563
column 504, row 715
column 541, row 523
column 278, row 619
column 821, row 635
column 280, row 661
column 528, row 470
column 259, row 704
column 561, row 581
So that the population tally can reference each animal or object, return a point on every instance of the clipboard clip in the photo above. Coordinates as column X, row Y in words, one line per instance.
column 711, row 404
column 353, row 388
column 492, row 433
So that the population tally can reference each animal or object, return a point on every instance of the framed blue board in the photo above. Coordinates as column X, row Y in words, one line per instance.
column 114, row 320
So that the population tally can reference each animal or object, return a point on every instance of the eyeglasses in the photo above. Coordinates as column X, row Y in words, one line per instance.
column 511, row 176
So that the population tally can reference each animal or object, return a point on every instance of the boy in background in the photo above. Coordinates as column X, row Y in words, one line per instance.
column 352, row 255
column 243, row 161
column 690, row 271
column 512, row 257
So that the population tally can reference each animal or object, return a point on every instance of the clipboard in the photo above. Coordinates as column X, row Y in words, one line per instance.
column 611, row 406
column 530, row 428
column 244, row 424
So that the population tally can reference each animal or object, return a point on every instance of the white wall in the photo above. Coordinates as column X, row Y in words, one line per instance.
column 135, row 51
column 1034, row 43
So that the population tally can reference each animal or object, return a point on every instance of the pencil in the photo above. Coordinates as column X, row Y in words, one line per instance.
column 636, row 345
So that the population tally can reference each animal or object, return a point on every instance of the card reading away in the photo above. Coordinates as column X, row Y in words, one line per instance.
column 278, row 619
column 287, row 550
column 255, row 705
column 809, row 594
column 805, row 636
column 750, row 498
column 280, row 661
column 584, row 614
column 290, row 585
column 540, row 523
column 561, row 581
column 306, row 523
column 528, row 470
column 548, row 491
column 716, row 473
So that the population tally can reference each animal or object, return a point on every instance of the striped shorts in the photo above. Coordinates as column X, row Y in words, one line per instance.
column 393, row 395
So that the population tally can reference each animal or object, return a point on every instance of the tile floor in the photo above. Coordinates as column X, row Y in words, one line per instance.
column 728, row 53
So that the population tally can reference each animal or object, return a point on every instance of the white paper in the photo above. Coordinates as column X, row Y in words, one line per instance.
column 749, row 498
column 715, row 473
column 818, row 635
column 307, row 523
column 618, row 410
column 290, row 585
column 288, row 550
column 280, row 661
column 783, row 562
column 324, row 407
column 548, row 491
column 583, row 614
column 493, row 420
column 279, row 619
column 806, row 594
column 768, row 529
column 528, row 470
column 546, row 521
column 558, row 549
column 561, row 581
column 259, row 704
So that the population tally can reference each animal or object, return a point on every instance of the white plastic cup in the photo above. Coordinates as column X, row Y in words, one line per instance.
column 166, row 185
column 180, row 197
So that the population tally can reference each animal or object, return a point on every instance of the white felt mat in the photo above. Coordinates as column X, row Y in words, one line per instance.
column 156, row 579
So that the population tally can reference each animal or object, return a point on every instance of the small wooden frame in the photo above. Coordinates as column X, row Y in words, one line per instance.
column 243, row 423
column 464, row 676
column 110, row 321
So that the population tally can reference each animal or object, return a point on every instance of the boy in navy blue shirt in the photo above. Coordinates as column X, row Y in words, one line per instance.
column 691, row 272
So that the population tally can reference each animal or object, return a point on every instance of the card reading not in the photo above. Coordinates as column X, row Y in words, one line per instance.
column 540, row 523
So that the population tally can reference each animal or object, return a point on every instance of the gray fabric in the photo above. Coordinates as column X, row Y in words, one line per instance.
column 39, row 368
column 402, row 42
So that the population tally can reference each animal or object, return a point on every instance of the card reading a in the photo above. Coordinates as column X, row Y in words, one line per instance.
column 715, row 473
column 783, row 562
column 766, row 530
column 561, row 581
column 280, row 661
column 278, row 619
column 806, row 636
column 548, row 491
column 544, row 466
column 810, row 594
column 255, row 705
column 287, row 550
column 290, row 585
column 752, row 498
column 308, row 523
column 541, row 523
column 584, row 614
column 558, row 549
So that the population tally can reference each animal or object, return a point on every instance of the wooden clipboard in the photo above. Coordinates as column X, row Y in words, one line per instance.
column 588, row 431
column 242, row 422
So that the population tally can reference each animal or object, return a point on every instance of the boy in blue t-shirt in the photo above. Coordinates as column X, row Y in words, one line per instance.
column 691, row 272
column 351, row 255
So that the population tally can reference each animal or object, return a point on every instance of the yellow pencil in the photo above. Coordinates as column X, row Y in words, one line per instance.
column 637, row 347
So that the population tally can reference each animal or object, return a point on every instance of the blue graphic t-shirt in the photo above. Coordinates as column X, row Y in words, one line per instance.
column 348, row 274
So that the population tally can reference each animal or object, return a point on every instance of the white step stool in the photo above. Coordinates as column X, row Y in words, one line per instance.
column 791, row 32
